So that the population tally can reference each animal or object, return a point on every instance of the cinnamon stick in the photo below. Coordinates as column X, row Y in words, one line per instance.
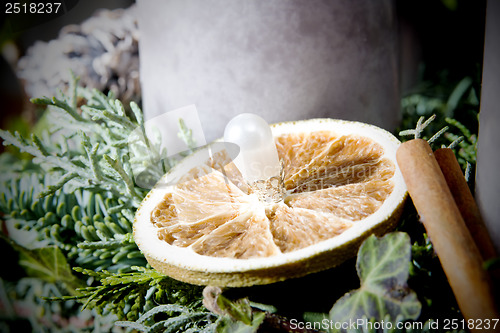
column 454, row 245
column 465, row 201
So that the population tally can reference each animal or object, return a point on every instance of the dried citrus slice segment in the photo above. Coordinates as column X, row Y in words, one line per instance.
column 203, row 224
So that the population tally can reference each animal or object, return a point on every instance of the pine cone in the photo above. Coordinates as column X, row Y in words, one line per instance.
column 103, row 51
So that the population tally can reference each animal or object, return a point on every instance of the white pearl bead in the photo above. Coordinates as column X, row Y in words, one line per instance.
column 258, row 157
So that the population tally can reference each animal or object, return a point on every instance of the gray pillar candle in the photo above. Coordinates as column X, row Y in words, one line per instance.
column 488, row 154
column 283, row 60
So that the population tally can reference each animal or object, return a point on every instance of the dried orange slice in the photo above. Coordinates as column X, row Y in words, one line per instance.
column 203, row 224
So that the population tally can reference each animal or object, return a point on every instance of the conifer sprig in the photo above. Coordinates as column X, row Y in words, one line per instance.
column 128, row 295
column 98, row 158
column 78, row 195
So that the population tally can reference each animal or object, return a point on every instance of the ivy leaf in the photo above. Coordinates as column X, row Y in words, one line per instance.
column 383, row 268
column 240, row 310
column 239, row 316
column 47, row 263
column 229, row 325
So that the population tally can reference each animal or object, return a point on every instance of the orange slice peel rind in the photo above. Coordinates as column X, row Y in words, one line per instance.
column 193, row 232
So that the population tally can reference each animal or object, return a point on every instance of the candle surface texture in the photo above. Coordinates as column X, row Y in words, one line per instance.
column 283, row 60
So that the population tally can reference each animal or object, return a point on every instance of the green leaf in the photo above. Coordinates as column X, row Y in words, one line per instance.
column 239, row 316
column 383, row 267
column 47, row 263
column 228, row 325
column 314, row 317
column 239, row 310
column 453, row 100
